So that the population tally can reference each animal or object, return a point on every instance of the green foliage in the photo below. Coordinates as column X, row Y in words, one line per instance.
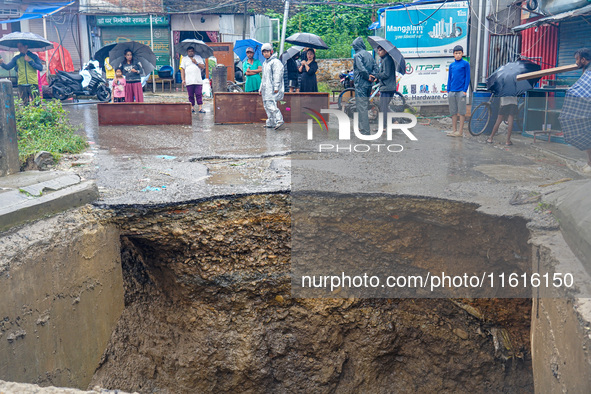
column 337, row 25
column 43, row 126
column 324, row 87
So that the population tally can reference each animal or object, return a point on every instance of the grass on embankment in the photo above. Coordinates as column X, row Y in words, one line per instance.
column 43, row 126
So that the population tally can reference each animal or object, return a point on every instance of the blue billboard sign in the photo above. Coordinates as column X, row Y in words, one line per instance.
column 444, row 26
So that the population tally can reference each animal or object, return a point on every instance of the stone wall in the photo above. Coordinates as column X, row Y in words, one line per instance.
column 329, row 70
column 61, row 288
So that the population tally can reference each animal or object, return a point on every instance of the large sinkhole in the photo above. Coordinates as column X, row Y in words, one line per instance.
column 209, row 308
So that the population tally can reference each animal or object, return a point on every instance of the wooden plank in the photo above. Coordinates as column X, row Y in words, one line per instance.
column 111, row 114
column 548, row 71
column 234, row 108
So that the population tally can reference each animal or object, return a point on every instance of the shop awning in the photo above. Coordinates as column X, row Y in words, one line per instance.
column 555, row 18
column 36, row 11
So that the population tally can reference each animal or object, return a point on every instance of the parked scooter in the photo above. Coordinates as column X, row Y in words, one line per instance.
column 88, row 82
column 346, row 79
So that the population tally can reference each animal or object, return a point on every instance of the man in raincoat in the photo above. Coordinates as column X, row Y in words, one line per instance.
column 575, row 118
column 272, row 87
column 364, row 66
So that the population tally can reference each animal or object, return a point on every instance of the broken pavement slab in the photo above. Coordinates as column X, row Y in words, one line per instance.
column 31, row 195
column 573, row 210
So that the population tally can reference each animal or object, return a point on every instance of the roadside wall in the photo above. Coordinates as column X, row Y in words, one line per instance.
column 329, row 70
column 561, row 324
column 61, row 288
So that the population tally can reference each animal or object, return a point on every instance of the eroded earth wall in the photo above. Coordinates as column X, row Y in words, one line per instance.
column 62, row 295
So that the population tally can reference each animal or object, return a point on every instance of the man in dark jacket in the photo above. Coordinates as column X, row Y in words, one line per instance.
column 363, row 66
column 387, row 77
column 27, row 64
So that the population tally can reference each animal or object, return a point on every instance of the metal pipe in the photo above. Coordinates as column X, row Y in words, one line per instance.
column 172, row 51
column 152, row 46
column 45, row 36
column 486, row 43
column 284, row 27
column 244, row 20
column 477, row 71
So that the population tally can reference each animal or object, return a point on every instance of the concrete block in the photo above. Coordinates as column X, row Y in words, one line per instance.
column 59, row 201
column 9, row 163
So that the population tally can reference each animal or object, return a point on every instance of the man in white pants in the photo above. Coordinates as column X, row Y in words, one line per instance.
column 272, row 87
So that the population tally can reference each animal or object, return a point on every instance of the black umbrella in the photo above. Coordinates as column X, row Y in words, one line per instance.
column 141, row 53
column 35, row 42
column 503, row 82
column 103, row 53
column 394, row 53
column 291, row 52
column 200, row 47
column 307, row 40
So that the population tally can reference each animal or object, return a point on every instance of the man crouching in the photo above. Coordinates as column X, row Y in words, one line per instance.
column 272, row 87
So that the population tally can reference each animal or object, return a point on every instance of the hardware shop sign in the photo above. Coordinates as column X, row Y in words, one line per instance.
column 444, row 26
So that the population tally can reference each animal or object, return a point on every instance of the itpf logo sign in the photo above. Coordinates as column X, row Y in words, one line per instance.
column 345, row 133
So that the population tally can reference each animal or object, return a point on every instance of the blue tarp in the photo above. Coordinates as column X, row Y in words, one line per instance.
column 36, row 11
column 374, row 26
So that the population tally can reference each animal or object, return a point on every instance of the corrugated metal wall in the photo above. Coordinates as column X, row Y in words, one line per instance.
column 61, row 25
column 540, row 44
column 503, row 49
column 574, row 34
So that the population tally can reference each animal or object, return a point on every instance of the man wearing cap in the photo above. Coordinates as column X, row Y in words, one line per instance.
column 272, row 87
column 252, row 69
column 27, row 64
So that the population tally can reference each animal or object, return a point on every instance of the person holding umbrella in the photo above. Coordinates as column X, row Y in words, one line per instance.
column 293, row 73
column 575, row 117
column 252, row 69
column 272, row 87
column 503, row 84
column 27, row 64
column 191, row 67
column 308, row 69
column 387, row 77
column 132, row 71
column 509, row 110
column 364, row 66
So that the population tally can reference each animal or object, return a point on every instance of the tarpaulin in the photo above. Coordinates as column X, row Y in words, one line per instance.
column 60, row 59
column 36, row 11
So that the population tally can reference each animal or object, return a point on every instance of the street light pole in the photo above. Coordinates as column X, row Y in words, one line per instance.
column 284, row 27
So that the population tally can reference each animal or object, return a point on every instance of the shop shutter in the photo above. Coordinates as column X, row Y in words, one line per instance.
column 141, row 34
column 574, row 34
column 65, row 25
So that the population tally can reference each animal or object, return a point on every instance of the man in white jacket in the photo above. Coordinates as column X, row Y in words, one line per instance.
column 272, row 87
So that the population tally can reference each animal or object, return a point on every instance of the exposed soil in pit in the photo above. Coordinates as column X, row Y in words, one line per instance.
column 208, row 309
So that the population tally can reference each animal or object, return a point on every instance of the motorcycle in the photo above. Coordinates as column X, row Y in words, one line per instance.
column 88, row 82
column 346, row 79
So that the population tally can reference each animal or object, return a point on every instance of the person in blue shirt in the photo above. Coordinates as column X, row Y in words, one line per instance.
column 458, row 82
column 26, row 64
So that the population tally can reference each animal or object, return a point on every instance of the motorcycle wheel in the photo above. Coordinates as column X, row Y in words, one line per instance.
column 103, row 94
column 58, row 94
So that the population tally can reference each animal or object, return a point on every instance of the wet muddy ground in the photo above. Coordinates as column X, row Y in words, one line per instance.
column 209, row 309
column 208, row 291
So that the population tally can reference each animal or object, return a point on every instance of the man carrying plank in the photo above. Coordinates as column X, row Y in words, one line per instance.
column 575, row 118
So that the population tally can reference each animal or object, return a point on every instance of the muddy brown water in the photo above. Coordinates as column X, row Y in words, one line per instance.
column 209, row 309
